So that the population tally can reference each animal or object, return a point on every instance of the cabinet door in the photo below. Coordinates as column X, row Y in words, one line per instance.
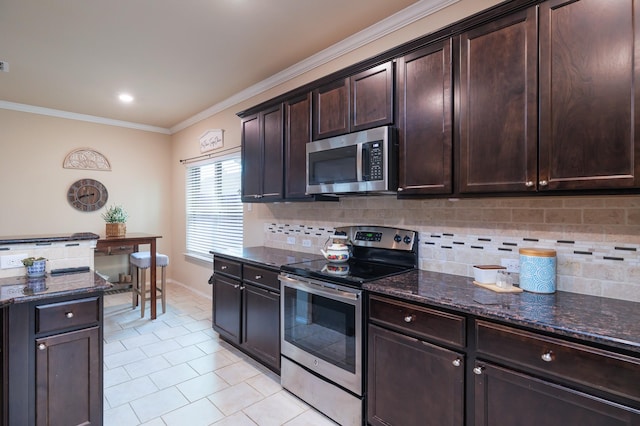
column 68, row 379
column 588, row 94
column 251, row 159
column 424, row 121
column 261, row 324
column 331, row 112
column 297, row 135
column 273, row 164
column 412, row 382
column 226, row 307
column 372, row 97
column 498, row 105
column 506, row 398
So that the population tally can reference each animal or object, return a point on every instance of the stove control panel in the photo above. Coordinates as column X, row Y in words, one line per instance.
column 380, row 237
column 368, row 236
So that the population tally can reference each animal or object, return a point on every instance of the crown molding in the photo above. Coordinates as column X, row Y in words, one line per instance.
column 80, row 117
column 388, row 25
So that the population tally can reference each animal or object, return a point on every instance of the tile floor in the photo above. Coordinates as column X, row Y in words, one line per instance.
column 175, row 371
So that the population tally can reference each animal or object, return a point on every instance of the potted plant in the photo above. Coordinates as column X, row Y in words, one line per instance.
column 35, row 266
column 116, row 218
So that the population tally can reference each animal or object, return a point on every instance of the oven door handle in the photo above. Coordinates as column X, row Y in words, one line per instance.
column 318, row 289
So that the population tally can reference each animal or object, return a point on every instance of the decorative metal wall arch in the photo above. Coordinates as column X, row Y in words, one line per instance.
column 86, row 159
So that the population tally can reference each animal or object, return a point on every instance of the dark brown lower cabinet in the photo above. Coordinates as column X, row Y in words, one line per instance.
column 505, row 398
column 227, row 304
column 246, row 309
column 412, row 382
column 261, row 324
column 68, row 386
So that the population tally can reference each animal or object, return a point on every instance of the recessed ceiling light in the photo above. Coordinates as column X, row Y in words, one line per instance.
column 125, row 97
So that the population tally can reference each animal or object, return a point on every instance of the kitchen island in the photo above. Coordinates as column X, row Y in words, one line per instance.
column 51, row 349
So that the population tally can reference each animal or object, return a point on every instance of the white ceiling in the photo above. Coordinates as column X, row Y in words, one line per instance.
column 178, row 58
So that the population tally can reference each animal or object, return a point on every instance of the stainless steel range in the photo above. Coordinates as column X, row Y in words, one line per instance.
column 322, row 318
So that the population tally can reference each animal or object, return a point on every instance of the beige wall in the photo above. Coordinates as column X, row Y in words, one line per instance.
column 34, row 183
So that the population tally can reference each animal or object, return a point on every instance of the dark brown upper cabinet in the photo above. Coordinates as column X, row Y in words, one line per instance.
column 359, row 102
column 589, row 94
column 297, row 135
column 425, row 109
column 262, row 156
column 498, row 106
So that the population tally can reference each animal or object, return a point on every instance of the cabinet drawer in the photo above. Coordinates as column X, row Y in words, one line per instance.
column 607, row 371
column 227, row 267
column 261, row 276
column 66, row 315
column 112, row 250
column 418, row 321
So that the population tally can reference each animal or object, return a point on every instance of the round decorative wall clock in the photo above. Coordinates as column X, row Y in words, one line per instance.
column 87, row 195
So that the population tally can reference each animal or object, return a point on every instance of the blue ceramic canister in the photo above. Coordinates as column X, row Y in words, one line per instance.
column 538, row 270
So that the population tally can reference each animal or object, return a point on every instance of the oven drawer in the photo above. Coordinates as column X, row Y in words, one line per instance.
column 261, row 276
column 596, row 368
column 227, row 267
column 66, row 315
column 418, row 321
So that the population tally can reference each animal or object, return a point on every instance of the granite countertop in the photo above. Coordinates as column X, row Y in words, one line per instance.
column 267, row 256
column 49, row 238
column 22, row 289
column 600, row 320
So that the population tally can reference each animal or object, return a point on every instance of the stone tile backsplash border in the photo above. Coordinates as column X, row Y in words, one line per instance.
column 597, row 239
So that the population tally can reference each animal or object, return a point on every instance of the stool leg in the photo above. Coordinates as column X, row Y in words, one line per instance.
column 134, row 289
column 143, row 291
column 164, row 288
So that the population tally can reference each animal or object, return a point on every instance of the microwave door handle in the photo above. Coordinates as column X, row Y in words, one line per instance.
column 366, row 162
column 359, row 154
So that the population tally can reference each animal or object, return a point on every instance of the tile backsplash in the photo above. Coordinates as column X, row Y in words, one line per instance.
column 597, row 239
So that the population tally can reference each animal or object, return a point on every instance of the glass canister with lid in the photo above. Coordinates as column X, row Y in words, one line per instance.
column 538, row 270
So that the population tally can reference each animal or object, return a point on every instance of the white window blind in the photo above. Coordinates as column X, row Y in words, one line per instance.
column 214, row 208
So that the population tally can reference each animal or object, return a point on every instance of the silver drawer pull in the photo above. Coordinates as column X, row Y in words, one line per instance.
column 409, row 318
column 236, row 286
column 478, row 370
column 223, row 267
column 529, row 184
column 544, row 183
column 69, row 315
column 258, row 277
column 456, row 362
column 547, row 356
column 42, row 347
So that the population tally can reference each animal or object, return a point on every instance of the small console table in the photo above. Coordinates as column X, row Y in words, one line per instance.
column 135, row 240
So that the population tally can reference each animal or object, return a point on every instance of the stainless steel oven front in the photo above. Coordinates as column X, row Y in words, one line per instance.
column 321, row 346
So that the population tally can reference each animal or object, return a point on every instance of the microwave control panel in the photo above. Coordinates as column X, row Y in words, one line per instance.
column 375, row 161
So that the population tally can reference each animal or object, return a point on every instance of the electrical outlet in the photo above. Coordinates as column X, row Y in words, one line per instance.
column 512, row 265
column 291, row 240
column 306, row 243
column 12, row 261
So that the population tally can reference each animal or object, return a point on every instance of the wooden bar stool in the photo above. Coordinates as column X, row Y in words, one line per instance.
column 141, row 261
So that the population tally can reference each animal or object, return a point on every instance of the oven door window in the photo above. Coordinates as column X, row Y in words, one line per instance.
column 321, row 326
column 338, row 165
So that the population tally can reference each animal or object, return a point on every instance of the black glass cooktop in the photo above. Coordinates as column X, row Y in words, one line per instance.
column 353, row 272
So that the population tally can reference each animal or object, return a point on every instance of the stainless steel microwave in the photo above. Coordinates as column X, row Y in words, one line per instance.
column 359, row 162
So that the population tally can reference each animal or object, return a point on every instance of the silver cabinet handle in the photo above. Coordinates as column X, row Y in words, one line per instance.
column 547, row 356
column 223, row 267
column 544, row 183
column 400, row 189
column 42, row 347
column 69, row 315
column 236, row 286
column 456, row 362
column 408, row 318
column 529, row 184
column 478, row 370
column 258, row 277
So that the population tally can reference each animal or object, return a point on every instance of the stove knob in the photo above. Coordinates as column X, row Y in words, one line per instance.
column 407, row 239
column 397, row 238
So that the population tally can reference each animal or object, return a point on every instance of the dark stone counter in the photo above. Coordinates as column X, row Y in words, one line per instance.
column 599, row 320
column 22, row 289
column 266, row 256
column 34, row 239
